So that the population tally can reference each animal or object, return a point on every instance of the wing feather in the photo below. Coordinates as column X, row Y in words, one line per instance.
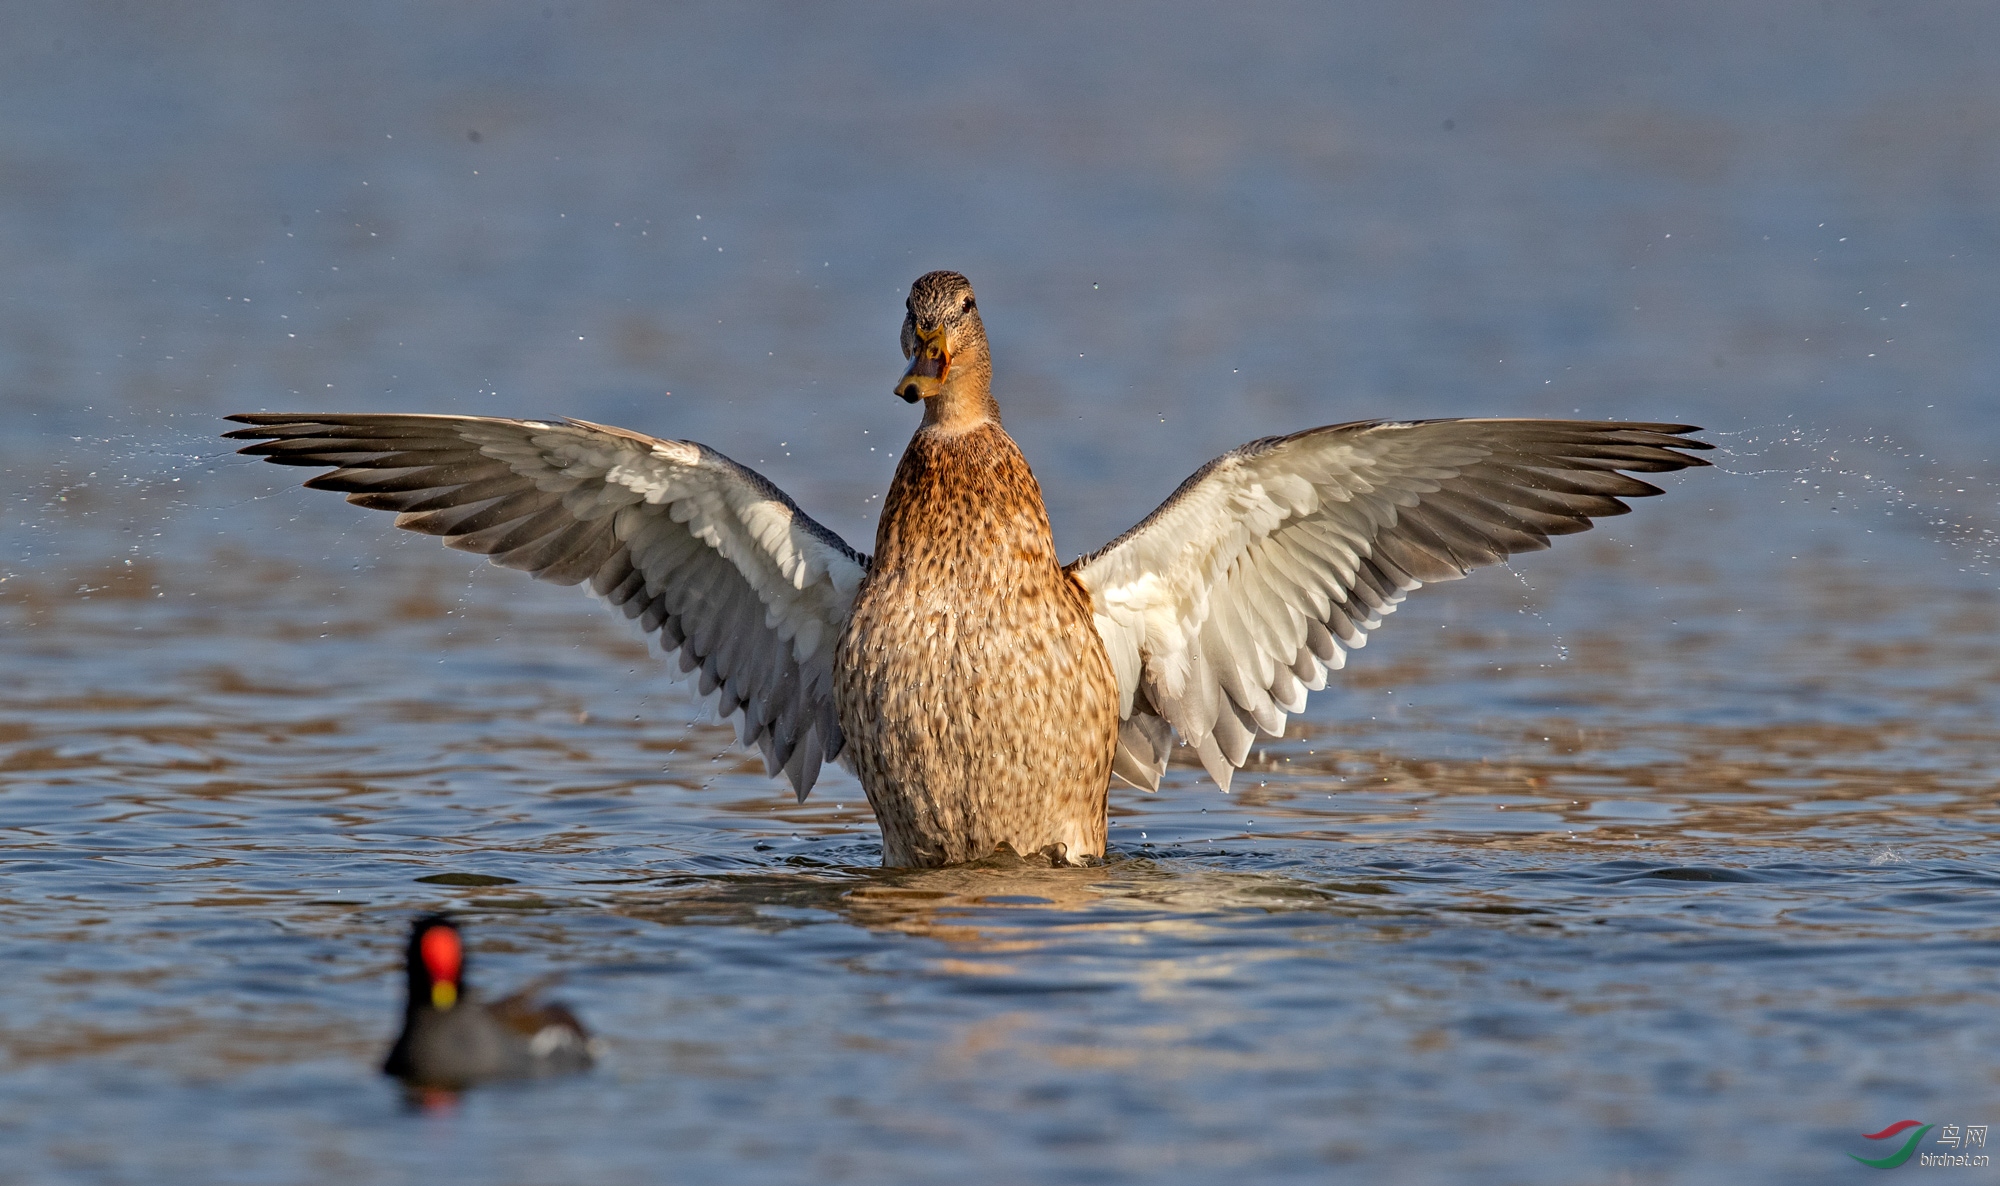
column 1223, row 608
column 720, row 564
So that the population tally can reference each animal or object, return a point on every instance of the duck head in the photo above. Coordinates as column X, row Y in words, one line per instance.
column 946, row 344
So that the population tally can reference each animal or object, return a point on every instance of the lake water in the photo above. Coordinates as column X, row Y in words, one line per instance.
column 1664, row 856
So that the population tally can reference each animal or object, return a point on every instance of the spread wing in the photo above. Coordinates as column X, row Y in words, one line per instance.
column 702, row 551
column 1225, row 606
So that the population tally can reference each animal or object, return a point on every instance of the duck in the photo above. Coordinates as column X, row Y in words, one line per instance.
column 451, row 1039
column 984, row 693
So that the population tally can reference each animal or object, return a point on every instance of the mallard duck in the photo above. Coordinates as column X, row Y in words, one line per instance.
column 451, row 1039
column 983, row 692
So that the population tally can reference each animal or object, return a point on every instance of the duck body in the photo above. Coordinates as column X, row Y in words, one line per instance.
column 979, row 705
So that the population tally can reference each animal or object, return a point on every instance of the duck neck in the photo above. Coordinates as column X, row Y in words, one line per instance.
column 966, row 402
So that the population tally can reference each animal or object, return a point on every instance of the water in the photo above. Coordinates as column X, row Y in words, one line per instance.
column 1666, row 857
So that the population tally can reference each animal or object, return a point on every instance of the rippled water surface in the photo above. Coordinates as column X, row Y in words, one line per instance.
column 1665, row 856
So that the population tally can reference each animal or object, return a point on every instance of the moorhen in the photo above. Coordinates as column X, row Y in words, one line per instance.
column 451, row 1039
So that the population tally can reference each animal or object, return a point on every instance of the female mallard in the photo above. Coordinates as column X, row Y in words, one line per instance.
column 983, row 692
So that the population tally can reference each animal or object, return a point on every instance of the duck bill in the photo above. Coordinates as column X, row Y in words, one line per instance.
column 928, row 367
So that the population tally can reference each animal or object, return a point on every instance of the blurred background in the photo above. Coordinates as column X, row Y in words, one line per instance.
column 241, row 723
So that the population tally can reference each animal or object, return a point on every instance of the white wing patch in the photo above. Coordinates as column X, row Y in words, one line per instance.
column 1235, row 598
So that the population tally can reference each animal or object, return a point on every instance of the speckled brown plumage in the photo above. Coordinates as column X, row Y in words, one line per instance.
column 977, row 700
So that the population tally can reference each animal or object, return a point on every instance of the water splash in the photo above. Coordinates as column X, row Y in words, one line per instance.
column 1874, row 475
column 1532, row 609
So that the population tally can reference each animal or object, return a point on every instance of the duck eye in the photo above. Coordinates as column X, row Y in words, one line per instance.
column 967, row 305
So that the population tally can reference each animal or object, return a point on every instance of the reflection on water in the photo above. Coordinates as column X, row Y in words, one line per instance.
column 1664, row 857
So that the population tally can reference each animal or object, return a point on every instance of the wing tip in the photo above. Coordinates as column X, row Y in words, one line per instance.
column 1215, row 762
